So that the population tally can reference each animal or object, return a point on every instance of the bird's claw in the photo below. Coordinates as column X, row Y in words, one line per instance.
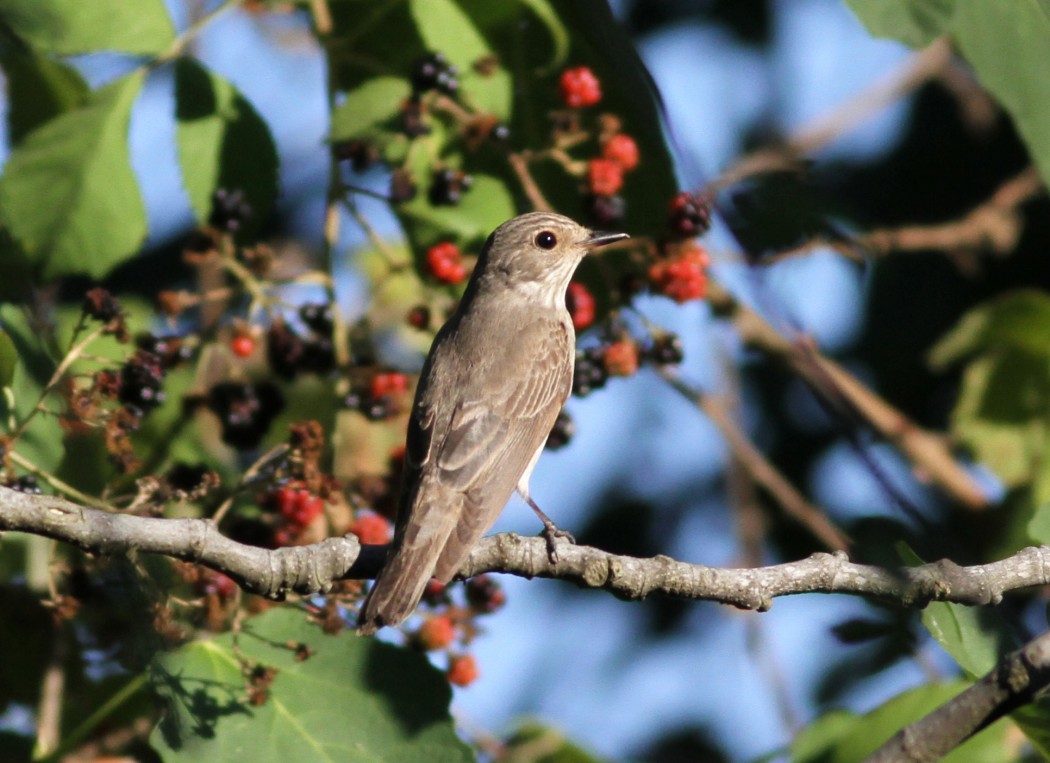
column 552, row 534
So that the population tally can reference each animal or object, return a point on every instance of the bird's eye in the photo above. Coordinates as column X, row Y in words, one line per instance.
column 546, row 240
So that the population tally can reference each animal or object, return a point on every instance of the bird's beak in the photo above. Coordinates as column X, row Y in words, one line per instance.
column 598, row 238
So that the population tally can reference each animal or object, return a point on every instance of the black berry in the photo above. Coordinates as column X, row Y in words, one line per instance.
column 485, row 594
column 230, row 210
column 562, row 431
column 689, row 215
column 101, row 305
column 605, row 210
column 245, row 411
column 318, row 316
column 590, row 373
column 433, row 72
column 447, row 187
column 665, row 350
column 140, row 382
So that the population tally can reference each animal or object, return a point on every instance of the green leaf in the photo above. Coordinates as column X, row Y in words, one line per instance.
column 913, row 22
column 1006, row 43
column 445, row 27
column 223, row 142
column 1019, row 320
column 38, row 88
column 68, row 194
column 369, row 107
column 487, row 204
column 69, row 27
column 8, row 359
column 842, row 737
column 558, row 33
column 353, row 699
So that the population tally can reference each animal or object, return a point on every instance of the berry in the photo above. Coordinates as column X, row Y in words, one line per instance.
column 388, row 384
column 413, row 119
column 27, row 483
column 402, row 186
column 621, row 358
column 562, row 431
column 217, row 584
column 230, row 210
column 245, row 411
column 462, row 670
column 172, row 350
column 445, row 263
column 242, row 345
column 140, row 382
column 284, row 349
column 101, row 305
column 484, row 594
column 371, row 529
column 361, row 154
column 689, row 215
column 623, row 150
column 297, row 505
column 318, row 356
column 433, row 72
column 436, row 632
column 589, row 373
column 419, row 317
column 318, row 316
column 579, row 87
column 185, row 478
column 580, row 304
column 605, row 210
column 447, row 187
column 681, row 277
column 604, row 177
column 665, row 350
column 435, row 593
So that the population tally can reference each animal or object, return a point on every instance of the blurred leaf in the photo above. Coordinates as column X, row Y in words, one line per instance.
column 28, row 633
column 372, row 104
column 68, row 193
column 1007, row 44
column 444, row 27
column 913, row 22
column 223, row 142
column 38, row 89
column 842, row 737
column 69, row 27
column 1018, row 320
column 8, row 359
column 353, row 699
column 536, row 743
column 1034, row 721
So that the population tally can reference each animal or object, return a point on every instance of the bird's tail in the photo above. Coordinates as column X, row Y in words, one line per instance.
column 401, row 583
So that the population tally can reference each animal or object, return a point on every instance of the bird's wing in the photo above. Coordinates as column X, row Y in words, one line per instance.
column 492, row 436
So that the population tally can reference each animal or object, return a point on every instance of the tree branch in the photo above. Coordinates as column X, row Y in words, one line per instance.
column 314, row 568
column 1014, row 681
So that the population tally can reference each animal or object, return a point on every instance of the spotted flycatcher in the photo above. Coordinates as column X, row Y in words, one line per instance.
column 496, row 377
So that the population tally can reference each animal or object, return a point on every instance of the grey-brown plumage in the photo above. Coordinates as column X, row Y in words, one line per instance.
column 496, row 377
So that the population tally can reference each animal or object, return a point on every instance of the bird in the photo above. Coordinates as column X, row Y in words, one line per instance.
column 495, row 379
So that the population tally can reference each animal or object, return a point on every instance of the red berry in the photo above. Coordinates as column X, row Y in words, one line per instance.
column 621, row 358
column 444, row 261
column 462, row 670
column 242, row 345
column 286, row 499
column 580, row 304
column 682, row 277
column 388, row 384
column 579, row 87
column 604, row 177
column 308, row 508
column 435, row 593
column 371, row 529
column 623, row 150
column 436, row 633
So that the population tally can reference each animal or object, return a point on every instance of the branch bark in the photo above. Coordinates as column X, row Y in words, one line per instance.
column 314, row 568
column 1015, row 681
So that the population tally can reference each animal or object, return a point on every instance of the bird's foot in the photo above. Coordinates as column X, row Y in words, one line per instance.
column 551, row 532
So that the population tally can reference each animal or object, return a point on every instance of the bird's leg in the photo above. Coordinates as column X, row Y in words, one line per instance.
column 550, row 531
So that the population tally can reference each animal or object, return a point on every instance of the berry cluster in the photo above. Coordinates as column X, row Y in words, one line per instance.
column 445, row 263
column 290, row 354
column 433, row 72
column 621, row 357
column 371, row 529
column 141, row 378
column 689, row 215
column 562, row 431
column 27, row 483
column 245, row 411
column 447, row 187
column 665, row 350
column 580, row 88
column 385, row 396
column 605, row 174
column 230, row 210
column 680, row 272
column 101, row 305
column 581, row 306
column 589, row 373
column 172, row 350
column 298, row 508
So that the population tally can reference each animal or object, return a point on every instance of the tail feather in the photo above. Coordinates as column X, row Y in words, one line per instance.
column 401, row 582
